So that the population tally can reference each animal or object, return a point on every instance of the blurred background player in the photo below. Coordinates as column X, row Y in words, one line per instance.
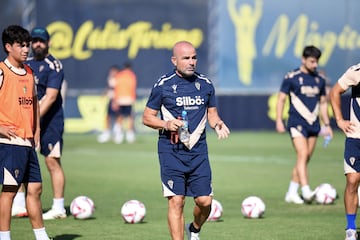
column 49, row 76
column 106, row 135
column 307, row 92
column 124, row 98
column 19, row 133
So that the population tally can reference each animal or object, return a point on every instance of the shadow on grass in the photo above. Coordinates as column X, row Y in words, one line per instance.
column 67, row 236
column 67, row 208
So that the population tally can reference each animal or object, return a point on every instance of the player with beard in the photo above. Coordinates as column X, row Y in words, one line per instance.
column 49, row 77
column 306, row 91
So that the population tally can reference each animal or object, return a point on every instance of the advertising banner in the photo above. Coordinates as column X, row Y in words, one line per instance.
column 90, row 36
column 244, row 46
column 258, row 41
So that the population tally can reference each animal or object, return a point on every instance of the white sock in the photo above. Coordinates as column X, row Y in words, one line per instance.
column 107, row 131
column 293, row 187
column 306, row 191
column 58, row 203
column 5, row 235
column 19, row 200
column 130, row 136
column 40, row 234
column 117, row 129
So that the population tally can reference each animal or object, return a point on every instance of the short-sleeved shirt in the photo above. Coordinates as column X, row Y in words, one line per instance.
column 351, row 79
column 49, row 74
column 171, row 95
column 305, row 91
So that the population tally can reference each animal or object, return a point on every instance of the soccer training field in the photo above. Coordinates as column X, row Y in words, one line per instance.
column 247, row 163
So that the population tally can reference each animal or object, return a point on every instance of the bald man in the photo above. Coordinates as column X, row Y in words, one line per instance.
column 184, row 166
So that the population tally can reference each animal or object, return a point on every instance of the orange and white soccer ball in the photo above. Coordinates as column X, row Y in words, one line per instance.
column 133, row 211
column 253, row 207
column 325, row 194
column 82, row 207
column 216, row 211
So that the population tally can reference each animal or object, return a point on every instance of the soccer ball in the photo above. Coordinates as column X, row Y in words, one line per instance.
column 253, row 207
column 325, row 194
column 82, row 207
column 133, row 211
column 216, row 211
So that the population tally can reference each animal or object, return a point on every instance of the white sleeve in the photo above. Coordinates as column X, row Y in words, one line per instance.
column 351, row 77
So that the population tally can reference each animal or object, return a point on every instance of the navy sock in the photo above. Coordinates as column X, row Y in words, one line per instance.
column 193, row 229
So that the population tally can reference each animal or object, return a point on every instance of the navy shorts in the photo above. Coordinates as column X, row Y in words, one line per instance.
column 110, row 110
column 352, row 155
column 185, row 175
column 51, row 140
column 304, row 131
column 125, row 110
column 18, row 164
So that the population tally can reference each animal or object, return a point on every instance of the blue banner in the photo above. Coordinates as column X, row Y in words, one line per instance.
column 244, row 46
column 259, row 41
column 99, row 34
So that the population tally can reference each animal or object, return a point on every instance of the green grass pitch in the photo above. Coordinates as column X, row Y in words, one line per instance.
column 247, row 163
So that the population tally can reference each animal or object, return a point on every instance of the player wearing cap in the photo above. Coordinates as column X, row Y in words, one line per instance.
column 49, row 76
